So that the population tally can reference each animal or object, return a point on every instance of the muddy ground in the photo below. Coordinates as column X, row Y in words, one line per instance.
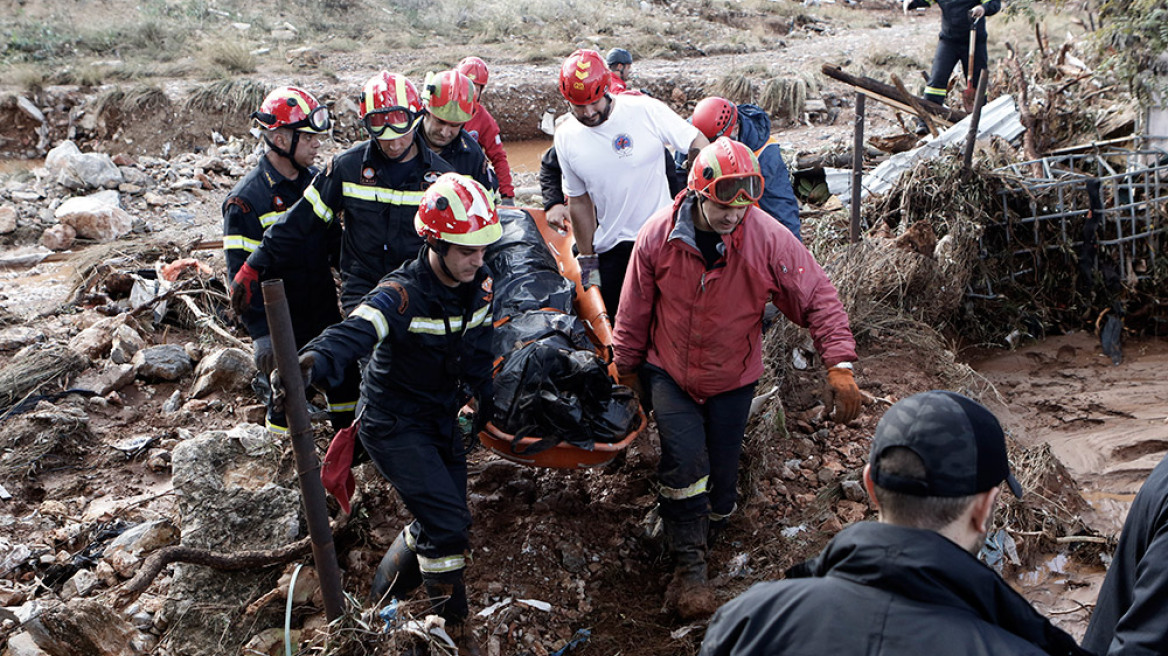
column 578, row 540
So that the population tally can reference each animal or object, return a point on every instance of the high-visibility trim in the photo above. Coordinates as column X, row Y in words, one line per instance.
column 380, row 194
column 240, row 243
column 934, row 91
column 433, row 326
column 319, row 207
column 375, row 317
column 411, row 541
column 351, row 406
column 771, row 141
column 443, row 564
column 679, row 494
column 715, row 517
column 266, row 220
column 275, row 428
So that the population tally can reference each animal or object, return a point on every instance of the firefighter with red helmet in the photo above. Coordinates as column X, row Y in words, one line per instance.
column 610, row 151
column 701, row 272
column 376, row 185
column 292, row 123
column 483, row 127
column 749, row 124
column 449, row 101
column 428, row 326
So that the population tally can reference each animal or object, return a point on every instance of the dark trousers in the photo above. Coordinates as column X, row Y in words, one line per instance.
column 613, row 264
column 425, row 460
column 700, row 447
column 948, row 55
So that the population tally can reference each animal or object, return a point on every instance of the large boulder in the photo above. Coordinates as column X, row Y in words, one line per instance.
column 88, row 627
column 76, row 170
column 97, row 216
column 162, row 362
column 229, row 369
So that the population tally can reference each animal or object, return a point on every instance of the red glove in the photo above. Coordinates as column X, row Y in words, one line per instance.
column 245, row 283
column 844, row 394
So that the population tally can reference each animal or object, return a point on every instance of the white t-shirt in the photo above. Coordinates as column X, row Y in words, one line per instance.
column 620, row 164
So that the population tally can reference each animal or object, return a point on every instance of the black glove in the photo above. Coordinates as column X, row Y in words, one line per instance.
column 507, row 202
column 307, row 359
column 265, row 355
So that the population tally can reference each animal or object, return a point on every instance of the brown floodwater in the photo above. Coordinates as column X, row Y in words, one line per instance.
column 523, row 156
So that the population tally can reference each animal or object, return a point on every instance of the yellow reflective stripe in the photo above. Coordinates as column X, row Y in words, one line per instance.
column 381, row 194
column 411, row 541
column 677, row 494
column 715, row 517
column 934, row 91
column 278, row 430
column 239, row 243
column 444, row 564
column 433, row 326
column 318, row 205
column 266, row 220
column 342, row 407
column 375, row 317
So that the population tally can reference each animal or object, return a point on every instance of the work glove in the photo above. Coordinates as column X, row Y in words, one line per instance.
column 244, row 285
column 507, row 202
column 307, row 360
column 844, row 394
column 589, row 270
column 265, row 355
column 633, row 381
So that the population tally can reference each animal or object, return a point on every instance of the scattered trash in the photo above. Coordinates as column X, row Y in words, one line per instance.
column 792, row 531
column 738, row 566
column 579, row 639
column 999, row 548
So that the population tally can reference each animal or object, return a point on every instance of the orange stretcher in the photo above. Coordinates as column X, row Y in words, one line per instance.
column 590, row 309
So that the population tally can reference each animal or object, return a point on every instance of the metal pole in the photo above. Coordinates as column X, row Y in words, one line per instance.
column 974, row 120
column 857, row 168
column 304, row 447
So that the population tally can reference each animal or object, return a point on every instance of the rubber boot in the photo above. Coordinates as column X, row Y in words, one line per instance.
column 447, row 596
column 689, row 595
column 398, row 574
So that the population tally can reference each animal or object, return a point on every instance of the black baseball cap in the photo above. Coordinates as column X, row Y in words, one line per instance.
column 959, row 440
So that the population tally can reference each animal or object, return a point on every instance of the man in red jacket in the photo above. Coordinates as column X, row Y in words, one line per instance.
column 690, row 323
column 482, row 126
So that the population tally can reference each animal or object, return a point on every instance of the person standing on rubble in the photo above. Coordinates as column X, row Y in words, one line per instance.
column 620, row 62
column 293, row 123
column 911, row 582
column 749, row 124
column 429, row 328
column 958, row 19
column 376, row 185
column 483, row 127
column 448, row 99
column 690, row 327
column 610, row 152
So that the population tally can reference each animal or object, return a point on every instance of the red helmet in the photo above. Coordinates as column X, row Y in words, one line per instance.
column 449, row 95
column 389, row 102
column 584, row 77
column 727, row 172
column 292, row 107
column 458, row 210
column 475, row 69
column 715, row 117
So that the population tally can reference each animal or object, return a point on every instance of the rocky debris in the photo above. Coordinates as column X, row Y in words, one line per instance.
column 98, row 216
column 85, row 626
column 97, row 340
column 125, row 344
column 228, row 369
column 162, row 362
column 17, row 337
column 125, row 552
column 7, row 219
column 59, row 237
column 75, row 170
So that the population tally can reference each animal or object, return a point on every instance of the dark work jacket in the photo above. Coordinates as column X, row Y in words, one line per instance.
column 879, row 589
column 778, row 197
column 955, row 18
column 1131, row 615
column 377, row 199
column 467, row 157
column 427, row 340
column 256, row 202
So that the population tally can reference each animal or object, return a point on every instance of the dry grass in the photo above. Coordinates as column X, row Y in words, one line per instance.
column 36, row 372
column 232, row 96
column 232, row 56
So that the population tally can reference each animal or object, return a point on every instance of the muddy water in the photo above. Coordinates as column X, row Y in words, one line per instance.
column 1107, row 424
column 10, row 166
column 523, row 156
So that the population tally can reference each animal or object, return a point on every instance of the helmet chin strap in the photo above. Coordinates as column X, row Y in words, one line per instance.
column 386, row 155
column 287, row 154
column 441, row 248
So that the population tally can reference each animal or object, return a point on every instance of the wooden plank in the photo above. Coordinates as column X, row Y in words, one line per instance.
column 890, row 95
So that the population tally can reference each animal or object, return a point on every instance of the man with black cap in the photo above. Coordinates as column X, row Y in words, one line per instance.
column 909, row 583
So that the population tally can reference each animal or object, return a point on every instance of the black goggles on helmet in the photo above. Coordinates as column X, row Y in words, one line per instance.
column 737, row 191
column 397, row 120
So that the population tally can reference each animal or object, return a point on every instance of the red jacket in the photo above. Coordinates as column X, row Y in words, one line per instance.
column 482, row 126
column 704, row 328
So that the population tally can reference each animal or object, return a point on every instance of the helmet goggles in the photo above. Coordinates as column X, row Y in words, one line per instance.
column 317, row 120
column 735, row 190
column 398, row 120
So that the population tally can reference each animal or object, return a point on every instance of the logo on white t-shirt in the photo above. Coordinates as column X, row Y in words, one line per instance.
column 622, row 145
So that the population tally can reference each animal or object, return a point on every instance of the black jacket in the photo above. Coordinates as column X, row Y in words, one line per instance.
column 256, row 202
column 879, row 589
column 1131, row 615
column 428, row 342
column 375, row 198
column 955, row 18
column 467, row 157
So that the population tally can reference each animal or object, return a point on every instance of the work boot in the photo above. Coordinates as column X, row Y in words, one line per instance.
column 689, row 595
column 448, row 599
column 398, row 574
column 464, row 638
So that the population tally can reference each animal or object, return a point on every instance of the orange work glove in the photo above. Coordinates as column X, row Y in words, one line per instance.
column 845, row 395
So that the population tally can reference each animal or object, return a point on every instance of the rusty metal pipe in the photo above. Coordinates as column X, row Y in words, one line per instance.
column 857, row 169
column 324, row 552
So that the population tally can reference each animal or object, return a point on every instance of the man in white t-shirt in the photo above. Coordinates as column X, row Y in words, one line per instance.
column 610, row 152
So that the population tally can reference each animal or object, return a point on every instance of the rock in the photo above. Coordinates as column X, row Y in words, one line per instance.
column 306, row 56
column 157, row 200
column 82, row 583
column 97, row 340
column 95, row 217
column 26, row 195
column 854, row 491
column 71, row 168
column 126, row 342
column 7, row 219
column 135, row 176
column 173, row 403
column 110, row 379
column 158, row 460
column 229, row 370
column 851, row 512
column 57, row 158
column 59, row 237
column 145, row 537
column 18, row 337
column 215, row 164
column 22, row 644
column 83, row 626
column 162, row 362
